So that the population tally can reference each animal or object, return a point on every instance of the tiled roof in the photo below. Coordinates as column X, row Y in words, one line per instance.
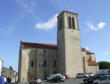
column 38, row 45
column 92, row 63
column 88, row 52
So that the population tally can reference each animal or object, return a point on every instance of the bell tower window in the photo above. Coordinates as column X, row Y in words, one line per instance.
column 73, row 23
column 60, row 24
column 69, row 22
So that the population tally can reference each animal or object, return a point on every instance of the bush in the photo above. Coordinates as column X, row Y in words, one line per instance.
column 104, row 65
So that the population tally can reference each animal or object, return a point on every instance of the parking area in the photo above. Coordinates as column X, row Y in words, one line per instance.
column 68, row 81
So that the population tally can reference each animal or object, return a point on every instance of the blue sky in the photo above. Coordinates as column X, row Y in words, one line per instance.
column 35, row 21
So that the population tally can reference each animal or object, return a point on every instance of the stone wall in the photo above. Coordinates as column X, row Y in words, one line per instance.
column 92, row 69
column 69, row 49
column 10, row 73
column 24, row 64
column 85, row 61
column 46, row 62
column 32, row 63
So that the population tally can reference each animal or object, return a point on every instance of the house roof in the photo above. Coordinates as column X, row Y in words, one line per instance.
column 87, row 51
column 38, row 45
column 47, row 46
column 53, row 46
column 92, row 63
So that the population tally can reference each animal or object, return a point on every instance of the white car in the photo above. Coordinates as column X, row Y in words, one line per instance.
column 51, row 76
column 62, row 76
column 90, row 74
column 82, row 75
column 54, row 75
column 104, row 80
column 36, row 81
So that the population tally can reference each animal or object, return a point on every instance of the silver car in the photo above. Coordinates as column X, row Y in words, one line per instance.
column 82, row 75
column 104, row 80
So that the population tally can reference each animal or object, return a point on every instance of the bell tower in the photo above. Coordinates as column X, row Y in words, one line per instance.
column 70, row 61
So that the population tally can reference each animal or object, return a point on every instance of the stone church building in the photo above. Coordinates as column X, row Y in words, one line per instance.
column 38, row 60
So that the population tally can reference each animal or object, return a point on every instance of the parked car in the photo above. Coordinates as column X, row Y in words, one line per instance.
column 100, row 75
column 51, row 76
column 90, row 74
column 91, row 79
column 82, row 75
column 35, row 81
column 103, row 72
column 67, row 76
column 56, row 78
column 103, row 80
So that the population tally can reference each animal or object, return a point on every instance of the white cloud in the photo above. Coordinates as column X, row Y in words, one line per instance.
column 99, row 26
column 107, row 53
column 51, row 23
column 87, row 48
column 28, row 7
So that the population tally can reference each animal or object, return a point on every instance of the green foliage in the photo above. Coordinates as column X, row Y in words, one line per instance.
column 104, row 65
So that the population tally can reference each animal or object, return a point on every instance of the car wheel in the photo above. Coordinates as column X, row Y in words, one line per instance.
column 89, row 82
column 95, row 83
column 84, row 81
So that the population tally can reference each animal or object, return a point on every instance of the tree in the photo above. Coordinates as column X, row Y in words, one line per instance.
column 11, row 68
column 104, row 65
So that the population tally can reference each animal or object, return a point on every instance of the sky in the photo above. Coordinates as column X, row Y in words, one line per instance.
column 35, row 21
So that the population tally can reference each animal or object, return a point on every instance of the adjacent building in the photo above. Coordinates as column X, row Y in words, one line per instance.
column 1, row 63
column 38, row 60
column 10, row 73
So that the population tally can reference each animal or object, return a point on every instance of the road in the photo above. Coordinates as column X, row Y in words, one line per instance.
column 68, row 81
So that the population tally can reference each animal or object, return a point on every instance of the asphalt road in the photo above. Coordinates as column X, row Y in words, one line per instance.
column 68, row 81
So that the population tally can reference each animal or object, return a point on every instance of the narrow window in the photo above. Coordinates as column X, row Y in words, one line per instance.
column 60, row 24
column 73, row 23
column 44, row 51
column 55, row 63
column 69, row 22
column 32, row 64
column 44, row 63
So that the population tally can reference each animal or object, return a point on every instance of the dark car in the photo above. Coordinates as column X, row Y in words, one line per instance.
column 91, row 79
column 57, row 79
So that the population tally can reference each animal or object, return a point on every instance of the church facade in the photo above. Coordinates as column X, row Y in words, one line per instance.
column 38, row 60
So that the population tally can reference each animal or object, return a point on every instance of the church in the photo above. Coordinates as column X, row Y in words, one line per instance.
column 39, row 60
